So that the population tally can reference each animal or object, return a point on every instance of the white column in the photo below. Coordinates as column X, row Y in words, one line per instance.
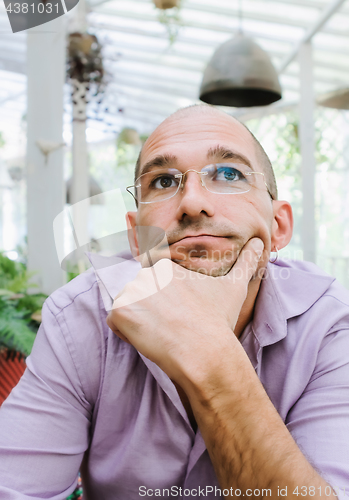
column 45, row 188
column 80, row 181
column 307, row 145
column 80, row 185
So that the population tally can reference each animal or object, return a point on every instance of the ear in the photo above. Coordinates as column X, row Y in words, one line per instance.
column 282, row 227
column 132, row 233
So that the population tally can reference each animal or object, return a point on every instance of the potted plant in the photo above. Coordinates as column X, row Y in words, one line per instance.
column 20, row 317
column 85, row 58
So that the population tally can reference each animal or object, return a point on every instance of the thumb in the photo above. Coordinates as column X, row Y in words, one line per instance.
column 246, row 264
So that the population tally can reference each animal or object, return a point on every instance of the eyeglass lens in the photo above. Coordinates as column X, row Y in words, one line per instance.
column 222, row 178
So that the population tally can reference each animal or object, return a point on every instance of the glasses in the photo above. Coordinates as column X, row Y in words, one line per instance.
column 220, row 178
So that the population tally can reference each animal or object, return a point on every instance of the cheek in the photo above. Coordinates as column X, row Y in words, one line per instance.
column 151, row 225
column 150, row 216
column 254, row 218
column 160, row 215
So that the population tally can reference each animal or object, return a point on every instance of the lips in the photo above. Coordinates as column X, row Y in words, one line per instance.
column 197, row 237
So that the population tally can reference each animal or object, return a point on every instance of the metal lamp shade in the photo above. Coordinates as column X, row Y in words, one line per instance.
column 240, row 74
column 339, row 99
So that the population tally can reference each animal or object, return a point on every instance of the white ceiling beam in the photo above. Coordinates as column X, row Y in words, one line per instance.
column 245, row 114
column 119, row 45
column 12, row 66
column 233, row 14
column 188, row 64
column 157, row 56
column 206, row 8
column 185, row 65
column 134, row 93
column 323, row 18
column 181, row 39
column 179, row 81
column 147, row 102
column 191, row 41
column 128, row 81
column 139, row 82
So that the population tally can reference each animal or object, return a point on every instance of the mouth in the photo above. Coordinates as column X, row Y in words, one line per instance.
column 196, row 248
column 197, row 238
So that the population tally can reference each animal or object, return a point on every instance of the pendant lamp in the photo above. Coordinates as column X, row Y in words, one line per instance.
column 240, row 74
column 339, row 99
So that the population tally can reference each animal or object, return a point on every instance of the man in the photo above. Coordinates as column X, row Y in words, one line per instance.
column 232, row 380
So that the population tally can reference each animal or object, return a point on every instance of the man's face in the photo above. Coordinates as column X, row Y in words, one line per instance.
column 206, row 231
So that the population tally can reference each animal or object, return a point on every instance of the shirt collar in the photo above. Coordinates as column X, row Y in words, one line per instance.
column 113, row 273
column 288, row 289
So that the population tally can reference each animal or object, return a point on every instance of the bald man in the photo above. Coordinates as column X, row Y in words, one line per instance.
column 231, row 380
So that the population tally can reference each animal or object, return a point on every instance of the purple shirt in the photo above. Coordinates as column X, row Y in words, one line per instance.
column 89, row 401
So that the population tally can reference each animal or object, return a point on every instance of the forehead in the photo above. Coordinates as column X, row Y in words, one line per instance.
column 191, row 135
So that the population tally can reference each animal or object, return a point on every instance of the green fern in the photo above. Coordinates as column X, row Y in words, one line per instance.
column 14, row 276
column 17, row 326
column 15, row 332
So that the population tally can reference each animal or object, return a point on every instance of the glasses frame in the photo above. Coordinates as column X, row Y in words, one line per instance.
column 181, row 184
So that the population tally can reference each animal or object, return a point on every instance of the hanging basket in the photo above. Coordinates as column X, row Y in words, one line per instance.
column 130, row 136
column 84, row 58
column 166, row 4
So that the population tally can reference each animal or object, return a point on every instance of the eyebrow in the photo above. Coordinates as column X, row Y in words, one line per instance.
column 215, row 153
column 224, row 153
column 166, row 160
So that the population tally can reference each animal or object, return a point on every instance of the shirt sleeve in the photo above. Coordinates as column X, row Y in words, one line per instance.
column 319, row 420
column 45, row 422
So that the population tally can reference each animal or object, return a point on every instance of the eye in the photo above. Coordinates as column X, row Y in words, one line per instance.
column 164, row 182
column 230, row 174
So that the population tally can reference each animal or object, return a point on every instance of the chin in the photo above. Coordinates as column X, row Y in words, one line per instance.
column 206, row 267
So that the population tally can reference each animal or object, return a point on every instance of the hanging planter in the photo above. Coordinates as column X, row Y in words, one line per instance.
column 166, row 4
column 169, row 16
column 85, row 72
column 129, row 136
column 85, row 59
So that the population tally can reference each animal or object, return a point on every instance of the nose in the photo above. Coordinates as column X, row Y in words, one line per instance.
column 194, row 197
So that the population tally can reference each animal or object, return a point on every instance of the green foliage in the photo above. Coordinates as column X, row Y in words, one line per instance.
column 13, row 275
column 126, row 155
column 78, row 492
column 72, row 272
column 18, row 326
column 2, row 140
column 15, row 334
column 287, row 148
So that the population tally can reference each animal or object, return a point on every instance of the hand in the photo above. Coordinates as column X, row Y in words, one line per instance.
column 190, row 322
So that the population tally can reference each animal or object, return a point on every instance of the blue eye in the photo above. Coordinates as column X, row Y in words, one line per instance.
column 229, row 174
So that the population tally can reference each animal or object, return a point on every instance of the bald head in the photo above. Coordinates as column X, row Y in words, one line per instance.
column 216, row 114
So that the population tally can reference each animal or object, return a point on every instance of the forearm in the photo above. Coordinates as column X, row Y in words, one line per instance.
column 249, row 445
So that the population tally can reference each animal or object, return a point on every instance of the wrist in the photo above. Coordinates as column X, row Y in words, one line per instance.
column 224, row 374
